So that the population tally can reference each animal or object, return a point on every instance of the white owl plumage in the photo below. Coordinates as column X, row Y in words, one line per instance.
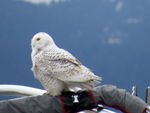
column 57, row 69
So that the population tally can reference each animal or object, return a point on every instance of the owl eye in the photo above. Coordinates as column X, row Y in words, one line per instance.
column 38, row 39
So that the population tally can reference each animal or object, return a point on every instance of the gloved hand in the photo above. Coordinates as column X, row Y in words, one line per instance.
column 79, row 101
column 74, row 102
column 106, row 95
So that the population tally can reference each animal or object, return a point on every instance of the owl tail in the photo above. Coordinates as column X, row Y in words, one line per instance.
column 75, row 87
column 92, row 83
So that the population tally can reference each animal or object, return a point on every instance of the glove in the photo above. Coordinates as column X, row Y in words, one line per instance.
column 74, row 102
column 87, row 101
column 66, row 101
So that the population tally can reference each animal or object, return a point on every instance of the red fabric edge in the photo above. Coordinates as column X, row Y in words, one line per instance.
column 144, row 110
column 62, row 104
column 92, row 97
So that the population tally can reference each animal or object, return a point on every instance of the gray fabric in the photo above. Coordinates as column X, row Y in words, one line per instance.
column 107, row 94
column 115, row 97
column 34, row 104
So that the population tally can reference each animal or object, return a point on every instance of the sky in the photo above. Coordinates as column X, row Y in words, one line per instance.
column 111, row 37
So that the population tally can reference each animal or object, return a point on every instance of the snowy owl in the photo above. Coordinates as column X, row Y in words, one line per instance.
column 57, row 69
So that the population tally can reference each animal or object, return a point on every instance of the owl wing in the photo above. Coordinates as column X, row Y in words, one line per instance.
column 64, row 66
column 61, row 54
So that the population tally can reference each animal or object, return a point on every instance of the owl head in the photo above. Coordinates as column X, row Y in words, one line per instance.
column 41, row 40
